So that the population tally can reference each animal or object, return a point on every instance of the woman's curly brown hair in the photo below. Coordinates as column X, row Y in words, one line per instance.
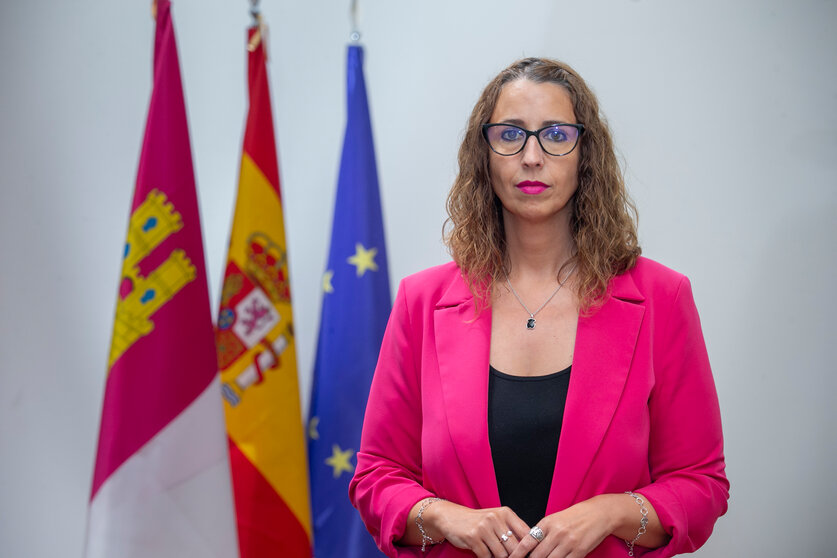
column 603, row 223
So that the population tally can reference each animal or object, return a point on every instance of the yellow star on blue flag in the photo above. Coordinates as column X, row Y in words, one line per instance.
column 312, row 428
column 327, row 277
column 339, row 460
column 364, row 259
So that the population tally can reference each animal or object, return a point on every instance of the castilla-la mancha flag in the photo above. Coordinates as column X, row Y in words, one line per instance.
column 257, row 351
column 161, row 485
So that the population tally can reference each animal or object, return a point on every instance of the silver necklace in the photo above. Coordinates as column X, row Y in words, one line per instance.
column 530, row 323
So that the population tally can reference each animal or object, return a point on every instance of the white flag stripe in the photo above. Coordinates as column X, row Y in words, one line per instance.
column 173, row 497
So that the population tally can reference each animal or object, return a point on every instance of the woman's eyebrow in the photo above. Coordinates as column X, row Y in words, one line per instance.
column 519, row 122
column 515, row 121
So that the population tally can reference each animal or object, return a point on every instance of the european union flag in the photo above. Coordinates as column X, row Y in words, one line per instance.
column 356, row 306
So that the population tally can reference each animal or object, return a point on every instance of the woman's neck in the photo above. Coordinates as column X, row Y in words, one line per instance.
column 536, row 251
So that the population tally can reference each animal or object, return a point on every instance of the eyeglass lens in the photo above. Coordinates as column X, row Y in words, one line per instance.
column 555, row 140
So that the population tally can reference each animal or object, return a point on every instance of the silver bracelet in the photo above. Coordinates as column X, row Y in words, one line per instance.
column 643, row 522
column 425, row 539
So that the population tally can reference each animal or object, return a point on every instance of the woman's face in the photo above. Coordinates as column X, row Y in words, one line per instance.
column 532, row 185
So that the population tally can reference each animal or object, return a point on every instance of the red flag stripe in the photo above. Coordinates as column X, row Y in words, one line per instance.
column 260, row 509
column 259, row 141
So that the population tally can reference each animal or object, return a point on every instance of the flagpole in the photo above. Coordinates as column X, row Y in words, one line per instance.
column 259, row 26
column 354, row 36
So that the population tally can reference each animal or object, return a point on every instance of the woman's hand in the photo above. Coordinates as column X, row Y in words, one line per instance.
column 570, row 533
column 577, row 530
column 480, row 531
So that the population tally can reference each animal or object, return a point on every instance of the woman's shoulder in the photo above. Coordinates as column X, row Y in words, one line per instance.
column 442, row 273
column 654, row 279
column 435, row 283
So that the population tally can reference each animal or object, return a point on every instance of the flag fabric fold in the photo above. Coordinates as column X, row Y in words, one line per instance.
column 257, row 350
column 161, row 480
column 355, row 309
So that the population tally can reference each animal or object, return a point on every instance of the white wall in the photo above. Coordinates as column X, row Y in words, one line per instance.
column 723, row 111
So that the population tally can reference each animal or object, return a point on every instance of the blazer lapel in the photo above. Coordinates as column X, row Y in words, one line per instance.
column 604, row 348
column 462, row 348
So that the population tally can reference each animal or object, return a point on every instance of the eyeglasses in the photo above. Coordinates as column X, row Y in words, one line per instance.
column 555, row 139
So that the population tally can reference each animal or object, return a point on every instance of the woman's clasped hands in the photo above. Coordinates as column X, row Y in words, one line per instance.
column 500, row 533
column 570, row 533
column 488, row 533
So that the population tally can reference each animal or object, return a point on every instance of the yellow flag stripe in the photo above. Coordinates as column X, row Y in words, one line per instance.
column 266, row 424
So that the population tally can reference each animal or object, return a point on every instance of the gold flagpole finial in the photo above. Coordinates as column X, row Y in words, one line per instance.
column 154, row 9
column 261, row 29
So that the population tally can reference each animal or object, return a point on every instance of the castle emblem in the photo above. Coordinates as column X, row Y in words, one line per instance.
column 141, row 296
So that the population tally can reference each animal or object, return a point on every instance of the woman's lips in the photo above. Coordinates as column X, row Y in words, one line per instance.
column 531, row 187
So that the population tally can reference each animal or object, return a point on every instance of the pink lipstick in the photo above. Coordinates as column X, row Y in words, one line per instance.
column 531, row 187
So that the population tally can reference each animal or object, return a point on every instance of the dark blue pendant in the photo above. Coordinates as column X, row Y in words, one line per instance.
column 530, row 323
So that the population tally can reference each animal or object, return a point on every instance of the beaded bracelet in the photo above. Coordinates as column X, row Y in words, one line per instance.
column 643, row 523
column 425, row 538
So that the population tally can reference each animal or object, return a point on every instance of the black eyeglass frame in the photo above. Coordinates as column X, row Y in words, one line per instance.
column 529, row 133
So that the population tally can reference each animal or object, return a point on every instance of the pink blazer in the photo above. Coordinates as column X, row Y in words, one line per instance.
column 641, row 413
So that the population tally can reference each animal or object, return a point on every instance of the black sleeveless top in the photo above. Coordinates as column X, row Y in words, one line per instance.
column 524, row 425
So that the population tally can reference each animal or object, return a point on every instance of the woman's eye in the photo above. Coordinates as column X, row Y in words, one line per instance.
column 510, row 134
column 556, row 135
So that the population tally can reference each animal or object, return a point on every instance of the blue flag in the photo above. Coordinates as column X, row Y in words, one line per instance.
column 356, row 306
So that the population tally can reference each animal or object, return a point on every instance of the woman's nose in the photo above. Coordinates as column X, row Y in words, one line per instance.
column 532, row 152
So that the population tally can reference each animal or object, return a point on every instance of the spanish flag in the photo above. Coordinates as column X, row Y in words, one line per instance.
column 256, row 349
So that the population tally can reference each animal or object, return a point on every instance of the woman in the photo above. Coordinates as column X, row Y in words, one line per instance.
column 548, row 393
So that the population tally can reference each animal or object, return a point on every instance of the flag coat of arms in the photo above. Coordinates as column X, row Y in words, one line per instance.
column 161, row 481
column 256, row 348
column 356, row 306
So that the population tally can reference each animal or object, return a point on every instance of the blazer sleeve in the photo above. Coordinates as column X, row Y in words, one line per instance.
column 689, row 489
column 387, row 480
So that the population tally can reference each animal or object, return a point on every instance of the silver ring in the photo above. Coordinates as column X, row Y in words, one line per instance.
column 504, row 537
column 537, row 533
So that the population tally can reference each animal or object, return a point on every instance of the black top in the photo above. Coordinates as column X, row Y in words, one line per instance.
column 524, row 425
